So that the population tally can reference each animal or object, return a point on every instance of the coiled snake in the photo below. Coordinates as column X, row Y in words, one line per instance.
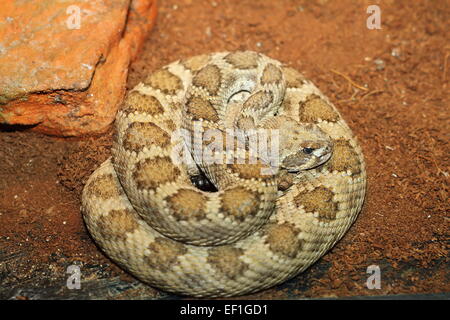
column 187, row 216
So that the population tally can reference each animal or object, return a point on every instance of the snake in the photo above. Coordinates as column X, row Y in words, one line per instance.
column 230, row 173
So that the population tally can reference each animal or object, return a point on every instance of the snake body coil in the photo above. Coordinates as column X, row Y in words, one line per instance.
column 266, row 221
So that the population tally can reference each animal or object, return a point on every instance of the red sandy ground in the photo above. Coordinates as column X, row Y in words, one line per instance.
column 400, row 115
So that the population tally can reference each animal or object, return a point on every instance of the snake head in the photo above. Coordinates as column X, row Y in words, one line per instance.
column 306, row 147
column 311, row 155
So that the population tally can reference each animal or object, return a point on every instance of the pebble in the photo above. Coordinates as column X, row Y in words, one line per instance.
column 208, row 31
column 380, row 64
column 395, row 52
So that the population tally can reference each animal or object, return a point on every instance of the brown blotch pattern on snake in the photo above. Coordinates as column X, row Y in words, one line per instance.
column 196, row 63
column 288, row 105
column 164, row 253
column 150, row 173
column 294, row 79
column 315, row 108
column 227, row 261
column 243, row 59
column 249, row 170
column 165, row 81
column 208, row 78
column 170, row 125
column 104, row 187
column 187, row 204
column 240, row 203
column 258, row 101
column 319, row 200
column 141, row 134
column 271, row 74
column 344, row 158
column 141, row 103
column 200, row 108
column 115, row 220
column 283, row 239
column 246, row 123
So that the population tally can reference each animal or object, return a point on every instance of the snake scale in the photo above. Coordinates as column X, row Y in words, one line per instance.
column 221, row 225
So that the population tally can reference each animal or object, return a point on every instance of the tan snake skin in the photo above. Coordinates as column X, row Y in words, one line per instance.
column 256, row 230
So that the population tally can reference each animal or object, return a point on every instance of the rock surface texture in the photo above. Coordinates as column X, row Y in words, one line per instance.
column 64, row 64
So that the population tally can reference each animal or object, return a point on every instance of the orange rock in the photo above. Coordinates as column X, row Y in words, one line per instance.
column 63, row 65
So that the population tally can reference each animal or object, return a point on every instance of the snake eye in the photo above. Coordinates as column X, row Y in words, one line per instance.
column 308, row 150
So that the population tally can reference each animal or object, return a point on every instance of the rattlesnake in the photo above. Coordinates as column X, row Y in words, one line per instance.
column 162, row 220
